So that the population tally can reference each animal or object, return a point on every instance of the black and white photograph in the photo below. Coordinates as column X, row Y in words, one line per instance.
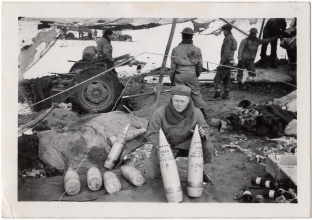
column 155, row 110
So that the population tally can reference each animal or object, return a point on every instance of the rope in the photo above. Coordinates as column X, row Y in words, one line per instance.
column 132, row 58
column 219, row 65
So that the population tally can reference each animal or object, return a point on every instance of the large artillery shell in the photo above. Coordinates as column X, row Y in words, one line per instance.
column 72, row 182
column 133, row 175
column 111, row 182
column 130, row 136
column 94, row 178
column 195, row 168
column 116, row 150
column 169, row 170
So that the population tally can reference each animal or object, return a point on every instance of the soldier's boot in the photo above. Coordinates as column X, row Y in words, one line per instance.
column 240, row 86
column 204, row 113
column 226, row 95
column 217, row 95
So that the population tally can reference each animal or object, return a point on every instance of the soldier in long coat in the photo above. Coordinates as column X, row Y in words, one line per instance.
column 177, row 120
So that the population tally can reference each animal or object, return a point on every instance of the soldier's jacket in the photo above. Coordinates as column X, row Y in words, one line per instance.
column 228, row 48
column 192, row 65
column 274, row 27
column 178, row 136
column 248, row 48
column 104, row 48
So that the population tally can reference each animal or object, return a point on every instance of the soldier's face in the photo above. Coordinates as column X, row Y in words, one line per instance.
column 225, row 32
column 180, row 102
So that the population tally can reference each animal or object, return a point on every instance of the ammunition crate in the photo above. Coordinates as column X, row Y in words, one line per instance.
column 275, row 162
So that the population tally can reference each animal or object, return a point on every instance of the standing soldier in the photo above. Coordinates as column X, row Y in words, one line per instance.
column 247, row 53
column 186, row 66
column 228, row 49
column 273, row 28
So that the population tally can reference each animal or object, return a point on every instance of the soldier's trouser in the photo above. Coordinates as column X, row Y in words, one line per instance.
column 190, row 80
column 273, row 49
column 245, row 64
column 223, row 75
column 152, row 169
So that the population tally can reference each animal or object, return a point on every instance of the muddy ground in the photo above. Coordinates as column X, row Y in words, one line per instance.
column 230, row 170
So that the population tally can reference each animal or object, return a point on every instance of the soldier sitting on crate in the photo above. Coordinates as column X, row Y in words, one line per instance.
column 247, row 53
column 177, row 119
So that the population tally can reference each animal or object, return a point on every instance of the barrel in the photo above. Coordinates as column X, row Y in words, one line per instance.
column 133, row 175
column 169, row 171
column 111, row 182
column 94, row 178
column 116, row 150
column 195, row 167
column 130, row 136
column 72, row 182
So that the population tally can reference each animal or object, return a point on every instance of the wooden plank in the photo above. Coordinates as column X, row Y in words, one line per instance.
column 290, row 171
column 163, row 66
column 261, row 30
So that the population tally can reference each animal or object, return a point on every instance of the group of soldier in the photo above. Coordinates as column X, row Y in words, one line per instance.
column 186, row 62
column 185, row 109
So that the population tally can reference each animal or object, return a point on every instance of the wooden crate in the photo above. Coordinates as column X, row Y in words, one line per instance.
column 275, row 162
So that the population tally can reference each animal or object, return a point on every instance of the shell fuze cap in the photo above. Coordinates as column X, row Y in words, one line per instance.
column 227, row 27
column 181, row 90
column 187, row 30
column 253, row 30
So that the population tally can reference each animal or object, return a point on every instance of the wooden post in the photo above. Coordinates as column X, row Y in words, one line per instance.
column 163, row 66
column 261, row 28
column 233, row 26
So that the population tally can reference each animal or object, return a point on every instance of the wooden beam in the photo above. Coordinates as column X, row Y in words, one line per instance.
column 163, row 66
column 261, row 28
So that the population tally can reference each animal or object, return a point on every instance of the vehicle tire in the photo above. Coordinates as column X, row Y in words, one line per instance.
column 98, row 95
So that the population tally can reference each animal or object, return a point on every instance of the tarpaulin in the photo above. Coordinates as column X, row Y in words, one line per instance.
column 85, row 140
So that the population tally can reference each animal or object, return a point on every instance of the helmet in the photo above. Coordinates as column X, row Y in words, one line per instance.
column 227, row 27
column 187, row 30
column 244, row 103
column 253, row 30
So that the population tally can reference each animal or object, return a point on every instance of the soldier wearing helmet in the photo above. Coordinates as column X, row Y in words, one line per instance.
column 186, row 66
column 247, row 53
column 228, row 49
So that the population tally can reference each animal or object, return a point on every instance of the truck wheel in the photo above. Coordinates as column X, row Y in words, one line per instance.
column 98, row 95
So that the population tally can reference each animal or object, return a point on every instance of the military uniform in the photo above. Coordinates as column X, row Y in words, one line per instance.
column 246, row 55
column 178, row 135
column 104, row 48
column 228, row 49
column 273, row 28
column 186, row 64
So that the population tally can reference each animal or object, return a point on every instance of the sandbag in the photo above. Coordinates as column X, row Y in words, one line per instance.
column 69, row 148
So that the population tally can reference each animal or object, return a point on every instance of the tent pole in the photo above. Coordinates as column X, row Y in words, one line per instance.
column 163, row 66
column 233, row 26
column 261, row 28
